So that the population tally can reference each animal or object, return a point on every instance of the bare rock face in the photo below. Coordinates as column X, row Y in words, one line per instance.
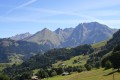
column 45, row 37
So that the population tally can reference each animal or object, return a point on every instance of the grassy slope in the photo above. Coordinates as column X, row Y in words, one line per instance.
column 83, row 58
column 98, row 74
column 4, row 65
column 99, row 44
column 82, row 61
column 15, row 59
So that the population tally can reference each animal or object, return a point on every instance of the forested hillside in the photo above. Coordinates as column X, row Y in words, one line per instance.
column 10, row 49
column 105, row 51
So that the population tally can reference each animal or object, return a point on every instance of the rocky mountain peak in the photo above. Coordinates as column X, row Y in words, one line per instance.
column 21, row 36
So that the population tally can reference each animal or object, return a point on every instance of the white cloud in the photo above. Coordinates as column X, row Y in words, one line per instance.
column 19, row 19
column 110, row 23
column 22, row 5
column 49, row 12
column 104, row 13
column 96, row 4
column 27, row 3
column 37, row 15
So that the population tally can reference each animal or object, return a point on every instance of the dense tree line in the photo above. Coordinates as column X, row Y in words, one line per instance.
column 113, row 60
column 45, row 73
column 4, row 77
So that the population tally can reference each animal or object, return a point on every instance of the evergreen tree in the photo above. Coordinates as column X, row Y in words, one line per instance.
column 42, row 74
column 115, row 60
column 88, row 67
column 108, row 65
column 4, row 77
column 54, row 73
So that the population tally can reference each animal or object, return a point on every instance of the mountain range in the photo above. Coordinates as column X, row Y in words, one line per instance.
column 23, row 46
column 84, row 33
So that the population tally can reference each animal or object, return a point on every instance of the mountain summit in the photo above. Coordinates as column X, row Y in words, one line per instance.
column 45, row 37
column 88, row 33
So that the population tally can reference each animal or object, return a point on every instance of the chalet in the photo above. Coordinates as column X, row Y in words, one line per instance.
column 65, row 73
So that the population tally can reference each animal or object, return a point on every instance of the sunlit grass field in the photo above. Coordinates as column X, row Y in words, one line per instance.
column 99, row 44
column 70, row 62
column 97, row 74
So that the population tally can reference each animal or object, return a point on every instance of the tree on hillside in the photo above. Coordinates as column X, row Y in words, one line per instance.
column 108, row 65
column 4, row 77
column 42, row 74
column 88, row 67
column 97, row 64
column 25, row 76
column 54, row 73
column 115, row 59
column 59, row 70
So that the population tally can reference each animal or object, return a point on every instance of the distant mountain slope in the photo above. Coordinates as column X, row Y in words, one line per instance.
column 21, row 36
column 88, row 33
column 45, row 37
column 24, row 50
column 64, row 33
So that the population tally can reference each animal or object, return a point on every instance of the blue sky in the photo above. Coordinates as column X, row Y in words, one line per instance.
column 20, row 16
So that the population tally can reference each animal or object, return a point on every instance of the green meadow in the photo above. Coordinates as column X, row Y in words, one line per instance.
column 96, row 74
column 81, row 60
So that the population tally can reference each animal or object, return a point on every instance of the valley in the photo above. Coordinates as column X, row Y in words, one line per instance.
column 22, row 59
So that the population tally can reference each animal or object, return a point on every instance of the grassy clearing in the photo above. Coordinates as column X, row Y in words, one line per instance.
column 81, row 60
column 14, row 59
column 35, row 71
column 99, row 44
column 98, row 74
column 4, row 65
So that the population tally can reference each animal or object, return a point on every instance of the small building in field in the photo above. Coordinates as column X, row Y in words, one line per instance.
column 35, row 78
column 65, row 73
